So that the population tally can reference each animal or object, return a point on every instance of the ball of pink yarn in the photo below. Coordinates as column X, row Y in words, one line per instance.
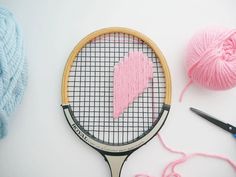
column 211, row 59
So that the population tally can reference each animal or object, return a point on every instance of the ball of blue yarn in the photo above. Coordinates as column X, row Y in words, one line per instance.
column 13, row 73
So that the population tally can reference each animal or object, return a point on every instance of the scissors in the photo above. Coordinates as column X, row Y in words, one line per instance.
column 230, row 128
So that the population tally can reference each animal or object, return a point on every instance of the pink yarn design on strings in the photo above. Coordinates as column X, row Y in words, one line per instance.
column 169, row 170
column 211, row 59
column 131, row 77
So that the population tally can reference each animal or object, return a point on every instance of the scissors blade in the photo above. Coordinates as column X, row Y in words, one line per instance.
column 225, row 126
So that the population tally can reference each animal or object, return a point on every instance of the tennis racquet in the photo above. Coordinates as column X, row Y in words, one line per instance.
column 87, row 95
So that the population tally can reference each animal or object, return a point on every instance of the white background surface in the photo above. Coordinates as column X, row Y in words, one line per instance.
column 41, row 144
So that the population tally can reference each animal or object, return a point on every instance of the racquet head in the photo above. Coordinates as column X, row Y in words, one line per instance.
column 87, row 94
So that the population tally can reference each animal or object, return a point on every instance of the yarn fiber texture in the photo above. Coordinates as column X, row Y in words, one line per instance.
column 13, row 72
column 211, row 59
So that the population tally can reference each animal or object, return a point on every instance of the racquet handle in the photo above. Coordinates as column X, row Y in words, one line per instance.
column 115, row 164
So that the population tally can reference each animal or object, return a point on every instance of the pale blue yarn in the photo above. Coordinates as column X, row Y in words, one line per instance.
column 13, row 73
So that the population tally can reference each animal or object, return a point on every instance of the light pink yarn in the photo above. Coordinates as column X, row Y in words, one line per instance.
column 211, row 59
column 131, row 77
column 169, row 170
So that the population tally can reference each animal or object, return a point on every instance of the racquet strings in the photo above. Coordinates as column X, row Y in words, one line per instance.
column 90, row 91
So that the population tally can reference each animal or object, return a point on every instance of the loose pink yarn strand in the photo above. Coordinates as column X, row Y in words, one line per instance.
column 184, row 90
column 171, row 166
